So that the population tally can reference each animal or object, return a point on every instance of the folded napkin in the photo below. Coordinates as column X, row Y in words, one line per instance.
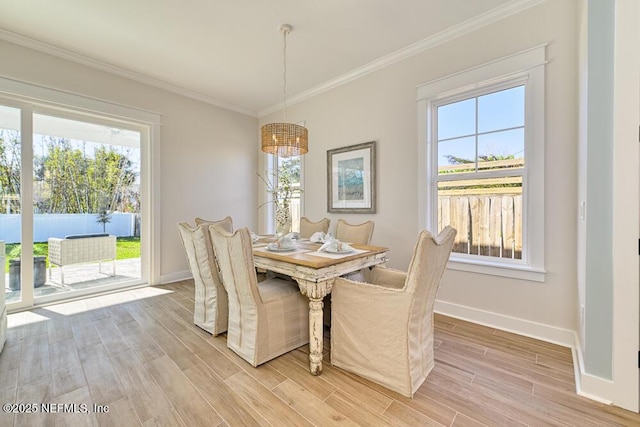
column 284, row 242
column 320, row 237
column 335, row 245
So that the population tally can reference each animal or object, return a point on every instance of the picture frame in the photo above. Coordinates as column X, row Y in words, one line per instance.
column 351, row 179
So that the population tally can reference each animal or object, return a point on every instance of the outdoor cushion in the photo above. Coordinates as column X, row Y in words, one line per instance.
column 84, row 236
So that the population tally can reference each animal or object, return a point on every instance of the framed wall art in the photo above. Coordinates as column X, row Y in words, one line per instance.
column 351, row 179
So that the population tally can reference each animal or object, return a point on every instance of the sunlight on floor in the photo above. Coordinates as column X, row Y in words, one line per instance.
column 83, row 305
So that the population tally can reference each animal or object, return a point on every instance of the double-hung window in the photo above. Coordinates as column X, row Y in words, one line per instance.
column 482, row 164
column 285, row 171
column 292, row 166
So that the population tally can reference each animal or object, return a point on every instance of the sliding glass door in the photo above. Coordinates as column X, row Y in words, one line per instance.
column 71, row 209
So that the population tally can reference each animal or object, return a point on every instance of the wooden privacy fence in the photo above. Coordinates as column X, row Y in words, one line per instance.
column 487, row 224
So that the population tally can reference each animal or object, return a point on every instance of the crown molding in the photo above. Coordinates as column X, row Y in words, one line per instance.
column 473, row 24
column 88, row 61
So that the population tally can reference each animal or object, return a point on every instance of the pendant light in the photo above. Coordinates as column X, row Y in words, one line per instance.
column 285, row 139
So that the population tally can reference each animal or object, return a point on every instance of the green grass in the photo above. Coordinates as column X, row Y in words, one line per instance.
column 126, row 247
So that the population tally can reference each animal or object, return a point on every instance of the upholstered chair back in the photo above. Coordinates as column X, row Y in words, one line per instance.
column 235, row 258
column 266, row 319
column 226, row 223
column 211, row 306
column 426, row 268
column 307, row 227
column 359, row 233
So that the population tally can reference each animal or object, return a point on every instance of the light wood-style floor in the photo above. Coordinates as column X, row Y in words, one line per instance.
column 139, row 354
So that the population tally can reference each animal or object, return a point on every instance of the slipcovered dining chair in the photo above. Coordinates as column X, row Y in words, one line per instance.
column 211, row 308
column 202, row 221
column 266, row 319
column 383, row 331
column 359, row 233
column 307, row 227
column 350, row 233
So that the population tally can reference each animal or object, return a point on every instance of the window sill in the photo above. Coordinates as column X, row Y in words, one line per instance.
column 513, row 271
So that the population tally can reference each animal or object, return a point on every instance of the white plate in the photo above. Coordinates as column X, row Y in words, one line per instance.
column 280, row 249
column 348, row 251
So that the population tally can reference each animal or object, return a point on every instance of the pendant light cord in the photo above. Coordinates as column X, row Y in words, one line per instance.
column 284, row 78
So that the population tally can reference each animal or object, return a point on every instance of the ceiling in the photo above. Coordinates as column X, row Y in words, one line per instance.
column 230, row 52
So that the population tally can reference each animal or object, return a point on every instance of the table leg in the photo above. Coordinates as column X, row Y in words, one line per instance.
column 315, row 335
column 315, row 291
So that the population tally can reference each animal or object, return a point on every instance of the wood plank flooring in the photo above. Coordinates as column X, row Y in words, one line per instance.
column 138, row 354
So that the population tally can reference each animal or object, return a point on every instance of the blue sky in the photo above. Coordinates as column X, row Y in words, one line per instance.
column 498, row 114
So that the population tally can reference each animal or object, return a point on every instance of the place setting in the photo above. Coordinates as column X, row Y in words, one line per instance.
column 333, row 248
column 285, row 244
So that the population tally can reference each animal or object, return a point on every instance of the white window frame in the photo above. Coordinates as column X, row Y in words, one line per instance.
column 274, row 168
column 528, row 68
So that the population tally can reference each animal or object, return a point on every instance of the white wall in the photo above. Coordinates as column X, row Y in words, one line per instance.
column 203, row 149
column 381, row 106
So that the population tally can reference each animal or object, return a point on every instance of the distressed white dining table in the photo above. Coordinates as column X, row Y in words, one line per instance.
column 315, row 274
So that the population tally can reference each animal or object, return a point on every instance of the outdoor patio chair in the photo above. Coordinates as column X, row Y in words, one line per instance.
column 80, row 249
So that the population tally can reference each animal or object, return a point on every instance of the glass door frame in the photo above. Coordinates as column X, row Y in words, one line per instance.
column 26, row 212
column 52, row 102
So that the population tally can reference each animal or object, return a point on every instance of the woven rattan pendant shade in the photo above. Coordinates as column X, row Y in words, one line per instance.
column 285, row 139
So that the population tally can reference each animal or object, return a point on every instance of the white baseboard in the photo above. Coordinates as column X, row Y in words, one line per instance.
column 175, row 277
column 552, row 334
column 587, row 385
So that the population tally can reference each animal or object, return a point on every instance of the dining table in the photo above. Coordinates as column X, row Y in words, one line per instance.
column 315, row 273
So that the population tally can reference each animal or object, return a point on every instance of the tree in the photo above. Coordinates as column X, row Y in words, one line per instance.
column 69, row 180
column 9, row 169
column 69, row 177
column 118, row 179
column 283, row 184
column 290, row 166
column 103, row 218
